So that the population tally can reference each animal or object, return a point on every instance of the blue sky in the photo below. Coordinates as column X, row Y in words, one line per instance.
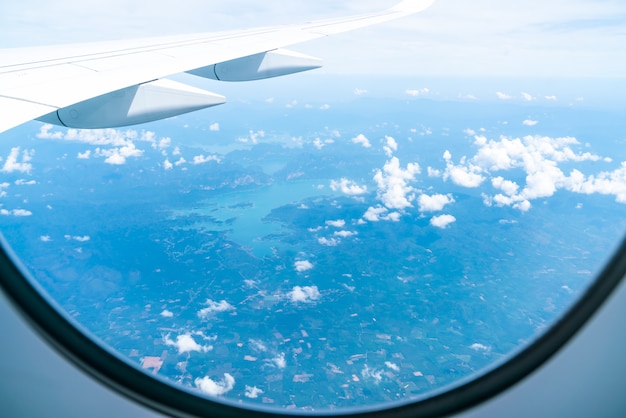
column 554, row 38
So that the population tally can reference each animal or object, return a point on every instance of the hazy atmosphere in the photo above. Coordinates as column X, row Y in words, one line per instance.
column 579, row 38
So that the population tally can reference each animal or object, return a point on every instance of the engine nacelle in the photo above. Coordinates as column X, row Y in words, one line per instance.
column 142, row 103
column 268, row 64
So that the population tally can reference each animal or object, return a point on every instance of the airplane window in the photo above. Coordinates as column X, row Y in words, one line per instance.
column 322, row 242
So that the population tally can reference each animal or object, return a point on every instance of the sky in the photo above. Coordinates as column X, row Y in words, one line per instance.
column 533, row 38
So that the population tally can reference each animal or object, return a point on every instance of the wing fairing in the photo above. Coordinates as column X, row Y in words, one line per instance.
column 268, row 64
column 133, row 105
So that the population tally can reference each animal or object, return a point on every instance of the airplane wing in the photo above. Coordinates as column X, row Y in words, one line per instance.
column 120, row 83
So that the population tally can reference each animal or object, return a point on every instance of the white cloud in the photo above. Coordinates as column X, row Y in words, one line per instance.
column 539, row 157
column 362, row 139
column 373, row 213
column 442, row 221
column 115, row 145
column 325, row 106
column 392, row 366
column 167, row 165
column 375, row 374
column 345, row 234
column 347, row 187
column 185, row 344
column 23, row 182
column 114, row 158
column 253, row 392
column 201, row 159
column 494, row 155
column 166, row 314
column 530, row 122
column 253, row 137
column 433, row 172
column 466, row 175
column 527, row 97
column 84, row 155
column 44, row 132
column 215, row 388
column 302, row 265
column 522, row 206
column 553, row 98
column 78, row 238
column 297, row 141
column 21, row 212
column 118, row 156
column 606, row 182
column 329, row 242
column 164, row 143
column 339, row 223
column 379, row 213
column 304, row 294
column 503, row 96
column 507, row 186
column 45, row 238
column 180, row 161
column 12, row 163
column 214, row 127
column 391, row 143
column 359, row 92
column 433, row 203
column 393, row 184
column 280, row 361
column 417, row 92
column 317, row 143
column 258, row 345
column 214, row 307
column 390, row 146
column 480, row 347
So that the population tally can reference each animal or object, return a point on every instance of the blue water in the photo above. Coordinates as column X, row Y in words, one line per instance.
column 246, row 210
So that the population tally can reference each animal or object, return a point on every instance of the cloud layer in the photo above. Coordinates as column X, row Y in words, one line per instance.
column 304, row 294
column 215, row 387
column 539, row 158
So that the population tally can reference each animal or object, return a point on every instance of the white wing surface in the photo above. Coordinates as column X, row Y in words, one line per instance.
column 85, row 81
